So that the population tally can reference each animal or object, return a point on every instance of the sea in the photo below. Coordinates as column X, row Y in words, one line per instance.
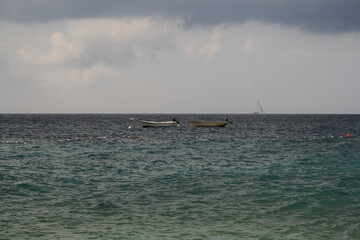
column 103, row 176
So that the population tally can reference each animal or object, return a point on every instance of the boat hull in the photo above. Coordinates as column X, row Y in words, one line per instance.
column 208, row 124
column 146, row 124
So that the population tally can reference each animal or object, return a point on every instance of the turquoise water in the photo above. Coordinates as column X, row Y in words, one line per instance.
column 105, row 177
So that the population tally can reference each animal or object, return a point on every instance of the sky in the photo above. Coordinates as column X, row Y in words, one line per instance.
column 180, row 56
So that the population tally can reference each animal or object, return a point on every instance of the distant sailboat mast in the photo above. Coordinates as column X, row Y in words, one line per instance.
column 260, row 109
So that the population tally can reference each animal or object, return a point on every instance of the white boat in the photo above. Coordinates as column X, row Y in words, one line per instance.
column 146, row 124
column 260, row 109
column 209, row 123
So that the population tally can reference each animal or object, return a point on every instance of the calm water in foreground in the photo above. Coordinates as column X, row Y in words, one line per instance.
column 105, row 177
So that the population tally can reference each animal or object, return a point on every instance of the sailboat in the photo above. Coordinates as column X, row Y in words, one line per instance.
column 260, row 110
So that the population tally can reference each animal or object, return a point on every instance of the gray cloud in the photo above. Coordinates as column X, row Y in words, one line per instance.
column 147, row 65
column 331, row 16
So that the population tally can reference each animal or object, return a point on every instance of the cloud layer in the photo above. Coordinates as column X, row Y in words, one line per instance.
column 147, row 65
column 332, row 16
column 179, row 56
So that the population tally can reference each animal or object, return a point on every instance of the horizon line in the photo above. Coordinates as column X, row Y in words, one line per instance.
column 155, row 113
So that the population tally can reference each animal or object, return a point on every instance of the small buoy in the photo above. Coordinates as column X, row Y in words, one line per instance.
column 132, row 136
column 348, row 135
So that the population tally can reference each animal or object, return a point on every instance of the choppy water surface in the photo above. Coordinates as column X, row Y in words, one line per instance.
column 105, row 177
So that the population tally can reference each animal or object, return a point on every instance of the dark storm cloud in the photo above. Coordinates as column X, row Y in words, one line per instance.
column 310, row 15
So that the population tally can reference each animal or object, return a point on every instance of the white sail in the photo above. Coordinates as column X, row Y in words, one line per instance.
column 259, row 108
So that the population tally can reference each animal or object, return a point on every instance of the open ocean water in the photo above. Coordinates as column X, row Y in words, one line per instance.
column 104, row 177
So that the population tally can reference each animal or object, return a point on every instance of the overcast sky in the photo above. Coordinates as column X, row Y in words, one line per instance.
column 179, row 56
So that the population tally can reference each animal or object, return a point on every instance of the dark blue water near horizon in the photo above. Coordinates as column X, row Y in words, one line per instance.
column 103, row 176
